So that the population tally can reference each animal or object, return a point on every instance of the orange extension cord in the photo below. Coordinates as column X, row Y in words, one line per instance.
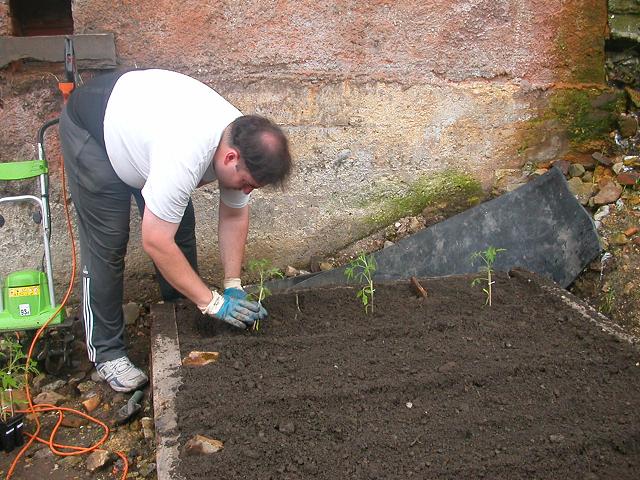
column 35, row 410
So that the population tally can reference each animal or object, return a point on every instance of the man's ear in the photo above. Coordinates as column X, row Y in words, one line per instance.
column 231, row 156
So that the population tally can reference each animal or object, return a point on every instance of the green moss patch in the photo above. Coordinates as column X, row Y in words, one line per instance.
column 586, row 114
column 450, row 187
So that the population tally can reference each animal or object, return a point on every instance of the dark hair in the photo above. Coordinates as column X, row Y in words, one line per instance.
column 264, row 148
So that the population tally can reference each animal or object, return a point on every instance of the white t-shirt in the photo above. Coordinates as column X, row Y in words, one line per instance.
column 161, row 130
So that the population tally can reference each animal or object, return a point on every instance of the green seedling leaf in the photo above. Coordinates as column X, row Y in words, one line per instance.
column 362, row 269
column 265, row 271
column 14, row 368
column 488, row 257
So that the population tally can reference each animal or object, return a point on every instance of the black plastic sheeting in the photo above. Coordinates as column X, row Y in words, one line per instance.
column 541, row 226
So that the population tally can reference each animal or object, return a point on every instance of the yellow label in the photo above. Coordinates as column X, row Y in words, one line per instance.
column 24, row 291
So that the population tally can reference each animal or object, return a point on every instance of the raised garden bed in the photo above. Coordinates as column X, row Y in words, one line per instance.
column 442, row 387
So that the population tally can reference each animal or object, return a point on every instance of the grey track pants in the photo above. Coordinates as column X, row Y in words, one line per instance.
column 103, row 205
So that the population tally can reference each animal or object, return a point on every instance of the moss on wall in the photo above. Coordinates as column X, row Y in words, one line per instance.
column 451, row 187
column 586, row 114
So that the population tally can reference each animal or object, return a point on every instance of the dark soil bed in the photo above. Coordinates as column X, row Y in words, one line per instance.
column 440, row 388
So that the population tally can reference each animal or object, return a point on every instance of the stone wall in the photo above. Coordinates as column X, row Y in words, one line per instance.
column 623, row 46
column 374, row 95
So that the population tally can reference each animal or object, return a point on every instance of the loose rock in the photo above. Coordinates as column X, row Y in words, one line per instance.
column 53, row 386
column 576, row 170
column 200, row 445
column 73, row 421
column 617, row 167
column 42, row 454
column 631, row 161
column 628, row 178
column 325, row 266
column 287, row 428
column 39, row 381
column 314, row 263
column 198, row 359
column 92, row 402
column 291, row 272
column 148, row 430
column 97, row 459
column 71, row 461
column 601, row 213
column 608, row 194
column 131, row 313
column 631, row 231
column 580, row 189
column 52, row 398
column 563, row 165
column 600, row 158
column 619, row 239
column 87, row 386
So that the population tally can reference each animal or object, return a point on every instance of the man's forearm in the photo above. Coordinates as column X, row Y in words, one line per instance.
column 176, row 270
column 158, row 241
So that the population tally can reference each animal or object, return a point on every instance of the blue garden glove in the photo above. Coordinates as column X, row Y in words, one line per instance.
column 234, row 292
column 234, row 289
column 235, row 311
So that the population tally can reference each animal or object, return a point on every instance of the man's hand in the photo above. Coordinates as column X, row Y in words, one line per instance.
column 238, row 312
column 239, row 293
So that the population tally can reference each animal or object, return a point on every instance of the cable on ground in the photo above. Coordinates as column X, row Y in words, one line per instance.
column 36, row 410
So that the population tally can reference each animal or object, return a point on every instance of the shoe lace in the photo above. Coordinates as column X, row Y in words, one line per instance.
column 118, row 366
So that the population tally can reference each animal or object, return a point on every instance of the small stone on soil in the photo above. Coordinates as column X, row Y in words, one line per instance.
column 131, row 313
column 97, row 459
column 53, row 386
column 609, row 193
column 148, row 429
column 198, row 359
column 203, row 445
column 291, row 272
column 600, row 158
column 73, row 421
column 87, row 386
column 92, row 402
column 287, row 428
column 52, row 398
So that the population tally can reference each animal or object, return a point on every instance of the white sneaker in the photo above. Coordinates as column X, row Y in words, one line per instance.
column 121, row 374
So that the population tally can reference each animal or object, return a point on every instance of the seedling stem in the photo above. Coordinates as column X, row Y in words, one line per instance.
column 265, row 271
column 488, row 257
column 362, row 268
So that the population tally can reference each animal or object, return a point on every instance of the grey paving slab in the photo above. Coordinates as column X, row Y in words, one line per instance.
column 166, row 380
column 95, row 50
